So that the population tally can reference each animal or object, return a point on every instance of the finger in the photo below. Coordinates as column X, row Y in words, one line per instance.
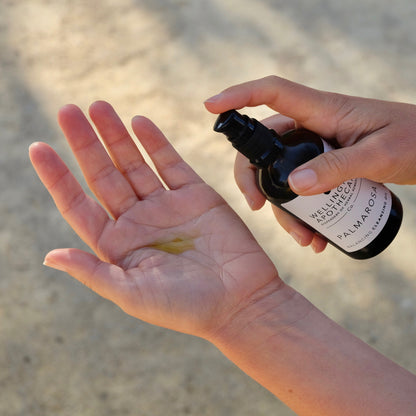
column 105, row 181
column 108, row 280
column 303, row 235
column 318, row 243
column 313, row 109
column 123, row 151
column 173, row 170
column 279, row 123
column 84, row 215
column 245, row 177
column 300, row 233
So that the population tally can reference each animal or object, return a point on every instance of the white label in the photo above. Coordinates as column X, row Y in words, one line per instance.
column 351, row 215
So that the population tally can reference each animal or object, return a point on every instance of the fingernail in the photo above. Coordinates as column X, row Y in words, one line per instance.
column 303, row 179
column 50, row 263
column 214, row 98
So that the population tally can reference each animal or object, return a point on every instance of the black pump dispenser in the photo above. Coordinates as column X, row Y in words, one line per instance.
column 251, row 138
column 359, row 217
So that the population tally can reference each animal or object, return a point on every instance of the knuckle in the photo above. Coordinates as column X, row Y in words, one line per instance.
column 335, row 163
column 339, row 110
column 339, row 104
column 387, row 162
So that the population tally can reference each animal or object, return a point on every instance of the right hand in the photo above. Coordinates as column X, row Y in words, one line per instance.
column 377, row 139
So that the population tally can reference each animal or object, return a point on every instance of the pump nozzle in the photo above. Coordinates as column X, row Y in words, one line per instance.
column 248, row 136
column 232, row 123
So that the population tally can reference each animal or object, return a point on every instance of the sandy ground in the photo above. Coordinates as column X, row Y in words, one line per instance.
column 66, row 351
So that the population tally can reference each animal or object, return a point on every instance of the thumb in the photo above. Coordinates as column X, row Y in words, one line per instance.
column 103, row 278
column 330, row 169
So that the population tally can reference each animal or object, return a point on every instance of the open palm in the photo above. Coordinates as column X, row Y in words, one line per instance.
column 169, row 251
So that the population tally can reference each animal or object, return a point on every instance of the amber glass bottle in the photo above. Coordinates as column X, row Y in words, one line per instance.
column 359, row 217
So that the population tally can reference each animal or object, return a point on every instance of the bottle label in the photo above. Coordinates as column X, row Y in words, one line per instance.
column 351, row 215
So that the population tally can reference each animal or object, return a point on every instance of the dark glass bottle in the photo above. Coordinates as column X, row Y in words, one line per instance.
column 359, row 217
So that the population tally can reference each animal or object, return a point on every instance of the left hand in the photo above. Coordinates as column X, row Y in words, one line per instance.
column 172, row 253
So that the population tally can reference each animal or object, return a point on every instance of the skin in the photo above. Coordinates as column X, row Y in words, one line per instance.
column 171, row 252
column 139, row 218
column 377, row 140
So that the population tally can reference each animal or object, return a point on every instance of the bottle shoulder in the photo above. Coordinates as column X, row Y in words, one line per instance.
column 298, row 146
column 277, row 192
column 302, row 139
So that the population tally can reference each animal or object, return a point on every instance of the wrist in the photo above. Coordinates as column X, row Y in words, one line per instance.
column 308, row 361
column 266, row 314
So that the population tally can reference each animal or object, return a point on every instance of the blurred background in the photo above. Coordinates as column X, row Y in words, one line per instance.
column 66, row 351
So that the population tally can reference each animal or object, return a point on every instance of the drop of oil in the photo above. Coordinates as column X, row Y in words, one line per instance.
column 175, row 246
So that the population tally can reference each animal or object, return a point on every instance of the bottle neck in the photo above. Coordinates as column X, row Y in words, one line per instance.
column 251, row 138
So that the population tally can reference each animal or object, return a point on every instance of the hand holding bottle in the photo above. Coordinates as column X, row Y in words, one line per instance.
column 377, row 140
